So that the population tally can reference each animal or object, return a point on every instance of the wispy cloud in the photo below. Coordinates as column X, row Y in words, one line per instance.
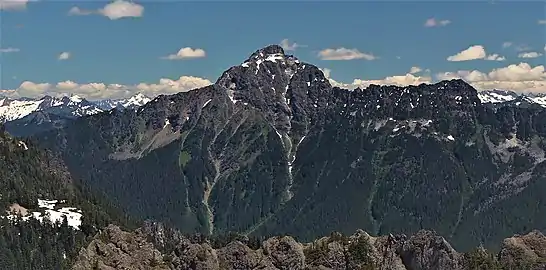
column 9, row 50
column 529, row 55
column 414, row 70
column 287, row 46
column 64, row 56
column 344, row 54
column 432, row 22
column 14, row 5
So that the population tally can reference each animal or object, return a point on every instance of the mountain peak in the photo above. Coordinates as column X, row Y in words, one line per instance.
column 267, row 51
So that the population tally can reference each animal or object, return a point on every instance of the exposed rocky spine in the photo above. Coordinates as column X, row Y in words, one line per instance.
column 155, row 247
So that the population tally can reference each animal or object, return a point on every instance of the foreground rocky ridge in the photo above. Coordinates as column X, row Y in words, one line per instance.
column 154, row 247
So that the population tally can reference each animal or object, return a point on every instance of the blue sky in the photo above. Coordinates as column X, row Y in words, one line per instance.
column 128, row 50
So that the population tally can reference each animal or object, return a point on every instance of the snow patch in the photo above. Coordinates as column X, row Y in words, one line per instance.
column 23, row 144
column 274, row 57
column 48, row 204
column 206, row 103
column 48, row 212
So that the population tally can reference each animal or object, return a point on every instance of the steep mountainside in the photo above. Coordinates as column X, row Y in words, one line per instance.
column 154, row 247
column 45, row 216
column 273, row 148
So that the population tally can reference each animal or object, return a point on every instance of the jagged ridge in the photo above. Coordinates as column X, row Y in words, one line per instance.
column 424, row 250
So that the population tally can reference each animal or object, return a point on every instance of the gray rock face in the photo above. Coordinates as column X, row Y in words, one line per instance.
column 188, row 255
column 237, row 255
column 116, row 249
column 426, row 250
column 524, row 251
column 285, row 253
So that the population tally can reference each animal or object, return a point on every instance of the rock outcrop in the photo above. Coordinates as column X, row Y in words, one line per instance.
column 426, row 250
column 117, row 249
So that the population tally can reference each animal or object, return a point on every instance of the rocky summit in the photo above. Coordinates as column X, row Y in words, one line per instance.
column 272, row 148
column 154, row 247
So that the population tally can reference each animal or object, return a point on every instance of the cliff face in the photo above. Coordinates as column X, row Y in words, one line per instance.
column 154, row 247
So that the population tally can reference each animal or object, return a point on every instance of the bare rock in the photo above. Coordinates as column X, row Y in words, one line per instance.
column 524, row 251
column 194, row 256
column 116, row 249
column 285, row 253
column 428, row 250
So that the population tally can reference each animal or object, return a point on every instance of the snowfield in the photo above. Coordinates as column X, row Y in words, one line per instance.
column 49, row 211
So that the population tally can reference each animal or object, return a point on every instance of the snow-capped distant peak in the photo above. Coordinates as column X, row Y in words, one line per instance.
column 499, row 96
column 74, row 105
column 496, row 96
column 76, row 98
column 126, row 103
column 136, row 100
column 16, row 109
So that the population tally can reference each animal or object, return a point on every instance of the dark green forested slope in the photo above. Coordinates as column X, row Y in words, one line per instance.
column 27, row 174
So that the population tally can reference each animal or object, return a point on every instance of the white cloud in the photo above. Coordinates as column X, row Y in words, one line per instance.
column 414, row 70
column 473, row 53
column 541, row 21
column 401, row 80
column 507, row 44
column 494, row 57
column 13, row 4
column 64, row 56
column 122, row 9
column 432, row 22
column 326, row 72
column 114, row 11
column 529, row 55
column 75, row 11
column 285, row 44
column 521, row 77
column 94, row 91
column 344, row 54
column 186, row 53
column 9, row 50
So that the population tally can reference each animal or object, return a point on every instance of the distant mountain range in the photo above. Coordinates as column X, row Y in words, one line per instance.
column 27, row 116
column 127, row 103
column 513, row 98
